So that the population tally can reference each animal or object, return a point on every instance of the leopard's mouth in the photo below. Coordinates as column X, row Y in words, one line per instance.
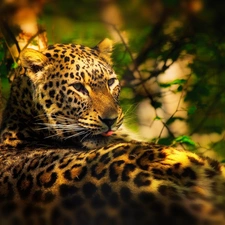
column 108, row 133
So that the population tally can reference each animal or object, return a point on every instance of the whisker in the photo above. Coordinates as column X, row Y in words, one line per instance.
column 51, row 136
column 61, row 119
column 60, row 126
column 130, row 109
column 64, row 128
column 85, row 136
column 65, row 138
column 75, row 135
column 42, row 128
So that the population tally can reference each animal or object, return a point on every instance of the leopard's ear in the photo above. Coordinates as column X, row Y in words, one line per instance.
column 35, row 61
column 105, row 48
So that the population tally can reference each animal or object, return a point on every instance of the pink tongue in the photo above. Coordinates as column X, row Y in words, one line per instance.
column 107, row 134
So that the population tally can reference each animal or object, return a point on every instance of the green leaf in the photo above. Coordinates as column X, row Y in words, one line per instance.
column 185, row 140
column 165, row 141
column 164, row 85
column 180, row 88
column 171, row 120
column 156, row 104
column 191, row 110
column 177, row 81
column 157, row 118
column 14, row 65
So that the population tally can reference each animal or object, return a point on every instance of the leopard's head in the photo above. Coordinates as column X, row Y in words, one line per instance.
column 75, row 90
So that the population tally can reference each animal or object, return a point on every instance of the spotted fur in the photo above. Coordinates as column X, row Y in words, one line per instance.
column 122, row 184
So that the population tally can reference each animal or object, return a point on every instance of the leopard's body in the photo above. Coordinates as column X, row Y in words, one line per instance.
column 122, row 184
column 71, row 93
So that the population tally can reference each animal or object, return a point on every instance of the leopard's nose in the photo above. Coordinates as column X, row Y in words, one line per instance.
column 107, row 121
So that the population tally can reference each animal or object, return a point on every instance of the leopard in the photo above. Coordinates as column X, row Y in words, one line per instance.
column 65, row 161
column 136, row 183
column 66, row 94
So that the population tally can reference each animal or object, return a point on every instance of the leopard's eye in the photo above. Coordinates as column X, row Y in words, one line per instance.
column 80, row 87
column 111, row 81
